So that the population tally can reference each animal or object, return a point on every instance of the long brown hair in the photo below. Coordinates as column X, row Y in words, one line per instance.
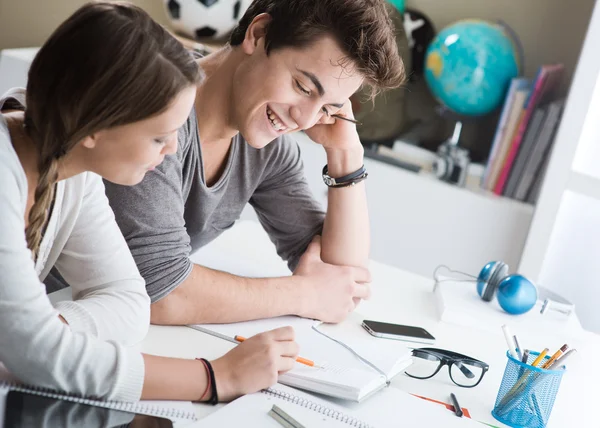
column 363, row 29
column 109, row 64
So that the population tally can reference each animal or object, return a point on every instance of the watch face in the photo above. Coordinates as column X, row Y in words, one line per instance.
column 329, row 181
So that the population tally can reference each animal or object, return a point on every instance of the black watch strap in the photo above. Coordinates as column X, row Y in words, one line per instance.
column 345, row 181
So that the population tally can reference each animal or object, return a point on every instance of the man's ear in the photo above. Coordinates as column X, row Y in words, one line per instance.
column 256, row 32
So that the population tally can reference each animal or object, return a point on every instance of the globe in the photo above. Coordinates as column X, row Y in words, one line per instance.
column 469, row 65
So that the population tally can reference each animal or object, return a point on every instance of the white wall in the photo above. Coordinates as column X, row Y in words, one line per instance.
column 563, row 246
column 573, row 254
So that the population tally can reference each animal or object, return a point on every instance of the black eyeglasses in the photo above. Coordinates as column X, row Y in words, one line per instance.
column 464, row 371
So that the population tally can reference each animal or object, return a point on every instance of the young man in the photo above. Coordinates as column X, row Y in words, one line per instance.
column 289, row 66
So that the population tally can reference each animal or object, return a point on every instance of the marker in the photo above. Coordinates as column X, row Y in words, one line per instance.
column 555, row 356
column 301, row 360
column 457, row 408
column 510, row 342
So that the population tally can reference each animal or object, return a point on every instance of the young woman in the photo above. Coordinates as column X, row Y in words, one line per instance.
column 105, row 97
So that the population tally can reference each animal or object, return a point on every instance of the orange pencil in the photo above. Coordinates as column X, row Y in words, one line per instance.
column 301, row 360
column 555, row 356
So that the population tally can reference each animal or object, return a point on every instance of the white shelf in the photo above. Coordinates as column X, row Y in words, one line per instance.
column 418, row 222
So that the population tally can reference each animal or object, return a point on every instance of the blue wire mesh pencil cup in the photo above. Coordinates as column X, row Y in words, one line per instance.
column 527, row 393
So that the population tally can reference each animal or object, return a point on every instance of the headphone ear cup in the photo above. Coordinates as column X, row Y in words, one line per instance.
column 484, row 277
column 489, row 278
column 516, row 294
column 496, row 277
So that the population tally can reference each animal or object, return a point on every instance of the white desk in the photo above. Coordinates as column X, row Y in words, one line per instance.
column 405, row 298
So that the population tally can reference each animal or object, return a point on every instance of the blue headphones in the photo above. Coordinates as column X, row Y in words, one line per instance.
column 515, row 293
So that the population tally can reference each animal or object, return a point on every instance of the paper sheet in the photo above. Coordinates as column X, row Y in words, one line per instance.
column 388, row 408
column 390, row 356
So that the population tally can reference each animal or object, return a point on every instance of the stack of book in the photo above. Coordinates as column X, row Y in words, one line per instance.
column 524, row 136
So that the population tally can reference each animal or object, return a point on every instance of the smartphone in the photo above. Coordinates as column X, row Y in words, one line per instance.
column 398, row 332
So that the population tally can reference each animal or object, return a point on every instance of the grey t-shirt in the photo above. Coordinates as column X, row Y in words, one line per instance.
column 172, row 212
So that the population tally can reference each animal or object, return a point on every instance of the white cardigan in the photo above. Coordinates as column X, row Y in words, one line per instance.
column 110, row 307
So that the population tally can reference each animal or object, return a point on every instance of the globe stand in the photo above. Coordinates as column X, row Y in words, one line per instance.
column 453, row 161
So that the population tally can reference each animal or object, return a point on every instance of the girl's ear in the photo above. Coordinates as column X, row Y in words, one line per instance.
column 89, row 142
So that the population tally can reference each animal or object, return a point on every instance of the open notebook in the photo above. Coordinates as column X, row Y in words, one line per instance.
column 180, row 412
column 353, row 364
column 393, row 408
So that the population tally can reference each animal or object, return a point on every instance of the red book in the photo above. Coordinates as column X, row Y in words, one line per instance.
column 546, row 82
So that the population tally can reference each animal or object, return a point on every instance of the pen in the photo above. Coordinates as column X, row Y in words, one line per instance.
column 524, row 361
column 518, row 346
column 555, row 356
column 561, row 360
column 298, row 359
column 457, row 408
column 509, row 341
column 339, row 116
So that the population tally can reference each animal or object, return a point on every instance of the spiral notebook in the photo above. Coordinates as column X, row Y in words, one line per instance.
column 389, row 408
column 353, row 364
column 180, row 412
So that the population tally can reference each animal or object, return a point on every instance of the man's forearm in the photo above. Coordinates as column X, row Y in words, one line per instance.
column 211, row 296
column 346, row 235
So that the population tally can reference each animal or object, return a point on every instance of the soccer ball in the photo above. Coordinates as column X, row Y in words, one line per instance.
column 201, row 19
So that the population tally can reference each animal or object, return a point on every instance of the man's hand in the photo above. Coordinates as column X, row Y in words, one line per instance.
column 330, row 292
column 336, row 134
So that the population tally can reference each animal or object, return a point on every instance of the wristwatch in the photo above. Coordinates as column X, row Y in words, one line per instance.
column 346, row 180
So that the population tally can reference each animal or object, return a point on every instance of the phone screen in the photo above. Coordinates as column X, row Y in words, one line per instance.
column 28, row 410
column 398, row 330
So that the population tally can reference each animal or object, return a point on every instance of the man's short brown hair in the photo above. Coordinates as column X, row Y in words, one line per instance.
column 363, row 29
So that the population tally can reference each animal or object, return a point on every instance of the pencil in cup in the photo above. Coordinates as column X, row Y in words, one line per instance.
column 547, row 363
column 530, row 403
column 524, row 375
column 300, row 360
column 551, row 364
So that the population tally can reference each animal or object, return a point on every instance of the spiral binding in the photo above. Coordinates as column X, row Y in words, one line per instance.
column 124, row 406
column 316, row 407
